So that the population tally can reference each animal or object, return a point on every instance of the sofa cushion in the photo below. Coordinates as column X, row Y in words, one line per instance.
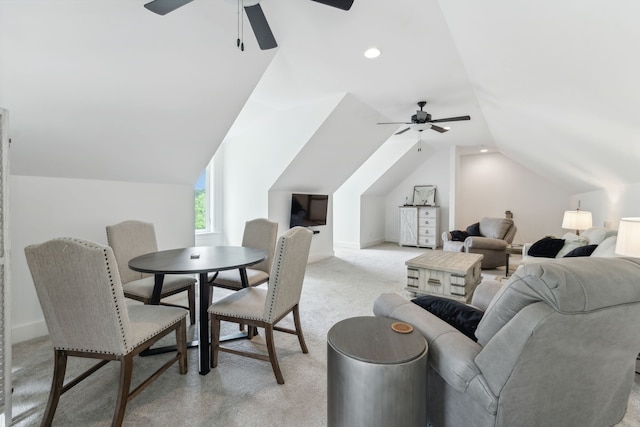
column 585, row 250
column 607, row 248
column 571, row 242
column 547, row 247
column 597, row 235
column 474, row 229
column 495, row 228
column 458, row 235
column 461, row 316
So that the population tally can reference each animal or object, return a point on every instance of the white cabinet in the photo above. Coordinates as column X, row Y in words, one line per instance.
column 419, row 226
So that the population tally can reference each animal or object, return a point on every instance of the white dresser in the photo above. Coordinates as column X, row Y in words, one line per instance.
column 419, row 226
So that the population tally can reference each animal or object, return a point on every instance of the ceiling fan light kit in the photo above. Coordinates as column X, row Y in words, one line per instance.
column 254, row 13
column 422, row 120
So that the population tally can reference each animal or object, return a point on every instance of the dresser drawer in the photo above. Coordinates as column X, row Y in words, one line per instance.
column 427, row 221
column 427, row 213
column 427, row 240
column 426, row 231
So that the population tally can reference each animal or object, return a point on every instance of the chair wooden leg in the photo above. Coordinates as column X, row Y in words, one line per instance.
column 181, row 344
column 215, row 340
column 296, row 322
column 191, row 296
column 59, row 369
column 268, row 332
column 126, row 365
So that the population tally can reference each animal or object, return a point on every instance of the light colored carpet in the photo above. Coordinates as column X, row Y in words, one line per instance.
column 240, row 391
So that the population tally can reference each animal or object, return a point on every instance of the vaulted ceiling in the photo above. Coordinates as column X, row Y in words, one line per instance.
column 105, row 89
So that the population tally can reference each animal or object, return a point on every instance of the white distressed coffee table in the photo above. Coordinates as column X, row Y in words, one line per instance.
column 449, row 274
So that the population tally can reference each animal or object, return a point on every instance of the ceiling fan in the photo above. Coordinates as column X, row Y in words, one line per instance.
column 254, row 13
column 423, row 118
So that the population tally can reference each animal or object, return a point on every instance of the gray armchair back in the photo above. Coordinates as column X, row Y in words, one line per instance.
column 496, row 235
column 556, row 346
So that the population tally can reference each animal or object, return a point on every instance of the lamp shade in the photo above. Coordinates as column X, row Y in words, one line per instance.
column 628, row 240
column 577, row 220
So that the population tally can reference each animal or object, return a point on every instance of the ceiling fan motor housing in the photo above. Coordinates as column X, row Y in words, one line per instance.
column 421, row 117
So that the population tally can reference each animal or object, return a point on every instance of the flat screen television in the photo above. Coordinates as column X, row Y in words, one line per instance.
column 308, row 209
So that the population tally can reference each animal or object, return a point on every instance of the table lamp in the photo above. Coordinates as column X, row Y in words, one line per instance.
column 577, row 220
column 628, row 240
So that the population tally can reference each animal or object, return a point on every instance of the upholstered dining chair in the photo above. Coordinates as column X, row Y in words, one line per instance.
column 80, row 291
column 130, row 239
column 264, row 308
column 260, row 234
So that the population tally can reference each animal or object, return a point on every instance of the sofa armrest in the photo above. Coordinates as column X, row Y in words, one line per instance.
column 484, row 293
column 486, row 243
column 451, row 353
column 446, row 236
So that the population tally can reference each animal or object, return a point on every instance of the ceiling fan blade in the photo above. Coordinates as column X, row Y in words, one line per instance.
column 260, row 27
column 162, row 7
column 394, row 123
column 439, row 129
column 402, row 131
column 451, row 119
column 340, row 4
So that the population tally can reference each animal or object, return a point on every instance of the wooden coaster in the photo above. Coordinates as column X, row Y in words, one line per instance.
column 403, row 328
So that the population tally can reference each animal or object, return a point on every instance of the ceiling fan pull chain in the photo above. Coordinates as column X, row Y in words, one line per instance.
column 242, row 28
column 238, row 22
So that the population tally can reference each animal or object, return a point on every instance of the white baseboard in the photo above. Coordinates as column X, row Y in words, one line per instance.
column 318, row 257
column 371, row 243
column 346, row 245
column 29, row 331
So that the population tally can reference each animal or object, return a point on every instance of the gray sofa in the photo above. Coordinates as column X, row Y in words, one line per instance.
column 605, row 238
column 495, row 235
column 556, row 346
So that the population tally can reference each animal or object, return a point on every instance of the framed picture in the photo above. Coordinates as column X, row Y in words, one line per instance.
column 424, row 195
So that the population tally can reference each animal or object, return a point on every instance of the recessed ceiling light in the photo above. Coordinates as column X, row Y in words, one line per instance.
column 372, row 52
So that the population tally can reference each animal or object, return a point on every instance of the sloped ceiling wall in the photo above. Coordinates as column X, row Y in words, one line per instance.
column 105, row 89
column 346, row 139
column 557, row 84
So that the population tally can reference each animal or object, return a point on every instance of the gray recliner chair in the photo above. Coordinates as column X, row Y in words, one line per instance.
column 495, row 235
column 556, row 346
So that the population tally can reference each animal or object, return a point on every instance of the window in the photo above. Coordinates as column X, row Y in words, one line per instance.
column 207, row 202
column 200, row 202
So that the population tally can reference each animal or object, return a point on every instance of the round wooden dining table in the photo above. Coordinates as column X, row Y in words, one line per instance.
column 200, row 260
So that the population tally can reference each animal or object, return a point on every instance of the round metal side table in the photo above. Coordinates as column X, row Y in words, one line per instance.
column 375, row 375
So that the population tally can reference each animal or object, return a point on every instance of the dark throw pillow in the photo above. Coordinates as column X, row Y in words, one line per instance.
column 461, row 316
column 458, row 235
column 474, row 229
column 547, row 247
column 582, row 251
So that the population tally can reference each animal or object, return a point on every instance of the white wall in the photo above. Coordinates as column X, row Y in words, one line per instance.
column 434, row 171
column 43, row 208
column 486, row 185
column 359, row 202
column 280, row 211
column 491, row 183
column 255, row 159
column 372, row 220
column 607, row 206
column 348, row 216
